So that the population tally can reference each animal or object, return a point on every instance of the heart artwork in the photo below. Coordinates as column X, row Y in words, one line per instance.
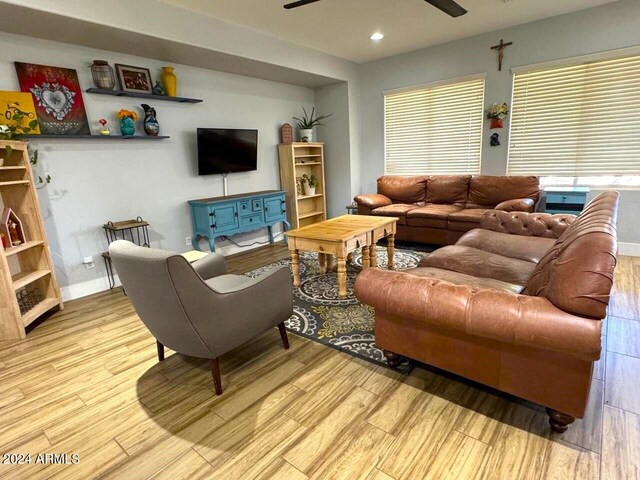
column 56, row 99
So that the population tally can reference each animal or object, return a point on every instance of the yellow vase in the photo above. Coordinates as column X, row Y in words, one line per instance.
column 169, row 81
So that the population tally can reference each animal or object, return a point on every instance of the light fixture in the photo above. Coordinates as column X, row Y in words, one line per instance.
column 377, row 36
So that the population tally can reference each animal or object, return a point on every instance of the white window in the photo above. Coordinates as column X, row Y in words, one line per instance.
column 578, row 124
column 434, row 129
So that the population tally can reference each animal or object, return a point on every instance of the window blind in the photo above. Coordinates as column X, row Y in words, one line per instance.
column 580, row 120
column 434, row 130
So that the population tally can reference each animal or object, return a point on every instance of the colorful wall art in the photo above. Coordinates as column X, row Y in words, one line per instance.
column 57, row 97
column 18, row 112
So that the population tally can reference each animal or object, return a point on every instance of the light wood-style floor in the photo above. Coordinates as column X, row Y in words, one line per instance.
column 86, row 381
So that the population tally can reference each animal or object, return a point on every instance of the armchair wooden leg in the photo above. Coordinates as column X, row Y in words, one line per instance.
column 160, row 351
column 215, row 371
column 283, row 335
column 559, row 421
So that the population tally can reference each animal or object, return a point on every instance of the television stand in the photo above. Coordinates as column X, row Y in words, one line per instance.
column 233, row 214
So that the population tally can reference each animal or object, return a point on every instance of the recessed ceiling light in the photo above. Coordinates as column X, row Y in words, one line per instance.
column 377, row 36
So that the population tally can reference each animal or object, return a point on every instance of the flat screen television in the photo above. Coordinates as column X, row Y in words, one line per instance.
column 223, row 150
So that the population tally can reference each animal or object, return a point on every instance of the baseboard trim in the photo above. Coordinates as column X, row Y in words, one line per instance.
column 83, row 289
column 629, row 249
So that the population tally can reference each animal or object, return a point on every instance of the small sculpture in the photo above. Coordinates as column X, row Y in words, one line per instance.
column 13, row 234
column 158, row 89
column 286, row 133
column 104, row 128
column 495, row 140
column 151, row 125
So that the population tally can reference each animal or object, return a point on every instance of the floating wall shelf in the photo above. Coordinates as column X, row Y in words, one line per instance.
column 120, row 93
column 93, row 137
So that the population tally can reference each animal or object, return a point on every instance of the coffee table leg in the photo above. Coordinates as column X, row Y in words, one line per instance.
column 342, row 277
column 372, row 255
column 366, row 260
column 322, row 261
column 295, row 266
column 390, row 251
column 330, row 262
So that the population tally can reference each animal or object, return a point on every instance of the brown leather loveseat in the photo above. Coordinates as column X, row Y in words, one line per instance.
column 439, row 209
column 516, row 304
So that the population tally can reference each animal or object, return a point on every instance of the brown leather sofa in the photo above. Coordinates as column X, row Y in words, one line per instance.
column 439, row 209
column 516, row 304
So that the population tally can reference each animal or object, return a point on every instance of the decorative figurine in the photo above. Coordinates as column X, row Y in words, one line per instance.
column 151, row 125
column 158, row 89
column 12, row 228
column 495, row 140
column 104, row 129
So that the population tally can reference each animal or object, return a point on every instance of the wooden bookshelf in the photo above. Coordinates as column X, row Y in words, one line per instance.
column 28, row 265
column 297, row 159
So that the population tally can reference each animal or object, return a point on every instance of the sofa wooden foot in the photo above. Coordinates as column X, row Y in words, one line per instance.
column 283, row 335
column 215, row 371
column 559, row 421
column 160, row 348
column 393, row 359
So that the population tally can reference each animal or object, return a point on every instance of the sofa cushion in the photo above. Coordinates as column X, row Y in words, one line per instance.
column 530, row 249
column 479, row 263
column 451, row 189
column 403, row 189
column 434, row 216
column 467, row 215
column 395, row 210
column 489, row 191
column 458, row 278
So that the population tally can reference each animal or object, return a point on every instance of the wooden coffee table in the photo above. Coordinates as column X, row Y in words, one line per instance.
column 341, row 236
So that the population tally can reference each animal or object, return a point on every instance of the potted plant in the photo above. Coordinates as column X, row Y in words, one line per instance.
column 310, row 183
column 307, row 122
column 127, row 119
column 497, row 112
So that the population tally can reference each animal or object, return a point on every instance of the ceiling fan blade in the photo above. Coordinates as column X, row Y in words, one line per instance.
column 299, row 3
column 448, row 6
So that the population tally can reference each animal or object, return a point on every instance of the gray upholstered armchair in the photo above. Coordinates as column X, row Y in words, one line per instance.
column 196, row 309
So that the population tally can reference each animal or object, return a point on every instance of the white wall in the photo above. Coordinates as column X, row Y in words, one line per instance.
column 95, row 181
column 615, row 25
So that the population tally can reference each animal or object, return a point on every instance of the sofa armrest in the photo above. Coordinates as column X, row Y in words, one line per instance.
column 368, row 201
column 528, row 224
column 517, row 205
column 505, row 317
column 210, row 266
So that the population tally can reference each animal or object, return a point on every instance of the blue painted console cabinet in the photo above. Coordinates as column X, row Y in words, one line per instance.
column 565, row 199
column 226, row 216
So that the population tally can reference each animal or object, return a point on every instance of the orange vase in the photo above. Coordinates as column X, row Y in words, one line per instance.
column 496, row 123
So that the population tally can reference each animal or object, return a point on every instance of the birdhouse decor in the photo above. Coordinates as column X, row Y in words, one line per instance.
column 286, row 133
column 11, row 227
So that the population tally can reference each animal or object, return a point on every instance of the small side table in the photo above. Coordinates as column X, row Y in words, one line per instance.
column 136, row 231
column 566, row 199
column 352, row 209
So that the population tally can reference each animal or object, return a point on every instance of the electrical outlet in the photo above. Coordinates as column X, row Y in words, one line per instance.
column 88, row 263
column 187, row 241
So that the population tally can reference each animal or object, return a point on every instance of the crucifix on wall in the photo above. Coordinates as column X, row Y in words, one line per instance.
column 500, row 48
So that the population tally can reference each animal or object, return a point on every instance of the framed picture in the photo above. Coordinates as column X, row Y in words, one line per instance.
column 57, row 98
column 18, row 112
column 134, row 79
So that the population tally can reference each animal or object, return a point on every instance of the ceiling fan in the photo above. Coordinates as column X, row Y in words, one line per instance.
column 447, row 6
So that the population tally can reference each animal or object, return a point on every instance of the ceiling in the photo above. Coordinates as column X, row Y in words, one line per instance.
column 343, row 27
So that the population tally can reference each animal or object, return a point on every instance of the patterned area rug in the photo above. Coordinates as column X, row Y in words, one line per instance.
column 341, row 323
